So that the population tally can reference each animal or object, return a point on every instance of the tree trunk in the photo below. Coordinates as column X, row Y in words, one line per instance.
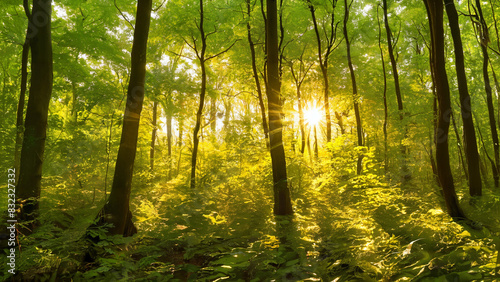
column 459, row 147
column 355, row 96
column 435, row 15
column 74, row 112
column 153, row 137
column 256, row 77
column 315, row 142
column 323, row 63
column 199, row 113
column 22, row 96
column 213, row 115
column 116, row 210
column 404, row 165
column 30, row 175
column 384, row 127
column 471, row 151
column 298, row 78
column 282, row 201
column 484, row 40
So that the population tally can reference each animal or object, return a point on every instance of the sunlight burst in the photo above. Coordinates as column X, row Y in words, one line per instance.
column 312, row 115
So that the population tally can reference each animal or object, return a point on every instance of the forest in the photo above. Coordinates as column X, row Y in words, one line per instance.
column 250, row 140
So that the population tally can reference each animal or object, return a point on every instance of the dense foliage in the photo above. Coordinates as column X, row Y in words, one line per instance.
column 379, row 225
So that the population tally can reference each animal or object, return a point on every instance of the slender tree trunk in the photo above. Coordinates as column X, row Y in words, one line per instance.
column 282, row 201
column 484, row 40
column 298, row 78
column 395, row 74
column 30, row 174
column 117, row 209
column 256, row 77
column 153, row 137
column 301, row 122
column 459, row 147
column 315, row 142
column 22, row 96
column 323, row 63
column 435, row 15
column 213, row 115
column 355, row 96
column 199, row 113
column 384, row 127
column 471, row 151
column 74, row 112
column 497, row 88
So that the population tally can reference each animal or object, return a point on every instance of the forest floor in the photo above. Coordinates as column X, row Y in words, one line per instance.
column 345, row 228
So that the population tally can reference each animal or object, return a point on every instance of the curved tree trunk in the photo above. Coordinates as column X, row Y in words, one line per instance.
column 471, row 151
column 282, row 201
column 323, row 60
column 355, row 96
column 484, row 40
column 30, row 174
column 116, row 210
column 435, row 15
column 395, row 74
column 384, row 127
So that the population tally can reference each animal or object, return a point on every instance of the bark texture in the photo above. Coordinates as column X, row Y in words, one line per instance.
column 282, row 201
column 435, row 15
column 30, row 175
column 471, row 151
column 116, row 210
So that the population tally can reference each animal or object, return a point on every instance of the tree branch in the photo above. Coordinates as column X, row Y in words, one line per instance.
column 124, row 17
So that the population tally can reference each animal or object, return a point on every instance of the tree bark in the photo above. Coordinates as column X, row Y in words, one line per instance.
column 355, row 96
column 153, row 137
column 117, row 210
column 435, row 15
column 30, row 175
column 282, row 201
column 471, row 151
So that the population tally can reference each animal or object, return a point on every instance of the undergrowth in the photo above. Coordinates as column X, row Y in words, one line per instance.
column 345, row 227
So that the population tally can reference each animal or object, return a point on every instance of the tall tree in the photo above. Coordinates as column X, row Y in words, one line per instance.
column 355, row 95
column 117, row 209
column 481, row 29
column 395, row 75
column 323, row 55
column 299, row 74
column 202, row 58
column 438, row 66
column 384, row 127
column 30, row 175
column 471, row 152
column 282, row 201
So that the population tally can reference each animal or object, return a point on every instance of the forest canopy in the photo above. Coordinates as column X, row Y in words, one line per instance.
column 250, row 140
